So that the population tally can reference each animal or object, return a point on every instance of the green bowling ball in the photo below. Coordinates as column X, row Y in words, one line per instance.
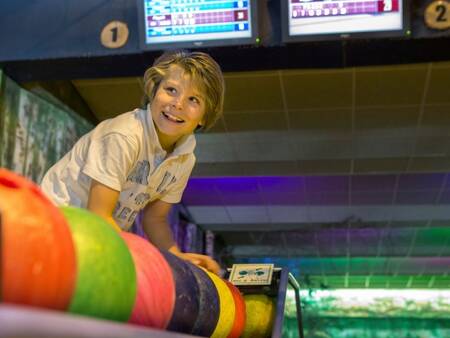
column 106, row 278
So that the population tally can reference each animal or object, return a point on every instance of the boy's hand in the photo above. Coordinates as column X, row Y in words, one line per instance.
column 202, row 260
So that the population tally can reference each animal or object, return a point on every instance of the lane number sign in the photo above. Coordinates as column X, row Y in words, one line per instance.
column 114, row 34
column 437, row 15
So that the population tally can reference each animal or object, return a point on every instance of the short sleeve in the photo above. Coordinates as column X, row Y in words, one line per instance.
column 109, row 159
column 175, row 191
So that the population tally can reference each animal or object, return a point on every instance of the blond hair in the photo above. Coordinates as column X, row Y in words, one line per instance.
column 203, row 70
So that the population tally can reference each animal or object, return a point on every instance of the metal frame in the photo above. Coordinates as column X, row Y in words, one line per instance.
column 293, row 282
column 286, row 278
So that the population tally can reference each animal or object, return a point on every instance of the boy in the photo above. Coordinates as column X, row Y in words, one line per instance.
column 143, row 159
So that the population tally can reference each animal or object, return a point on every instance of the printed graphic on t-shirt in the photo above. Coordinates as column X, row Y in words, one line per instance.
column 123, row 215
column 132, row 217
column 167, row 180
column 135, row 197
column 117, row 208
column 140, row 173
column 141, row 198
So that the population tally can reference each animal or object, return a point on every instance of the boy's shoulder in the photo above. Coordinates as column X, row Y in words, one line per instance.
column 125, row 123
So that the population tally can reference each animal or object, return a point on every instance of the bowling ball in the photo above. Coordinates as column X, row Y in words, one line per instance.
column 239, row 318
column 38, row 255
column 260, row 313
column 208, row 315
column 186, row 295
column 227, row 307
column 106, row 279
column 155, row 299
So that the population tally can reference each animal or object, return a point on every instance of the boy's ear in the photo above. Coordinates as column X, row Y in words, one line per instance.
column 200, row 125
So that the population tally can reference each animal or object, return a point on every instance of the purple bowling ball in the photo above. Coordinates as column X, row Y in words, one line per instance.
column 187, row 295
column 209, row 304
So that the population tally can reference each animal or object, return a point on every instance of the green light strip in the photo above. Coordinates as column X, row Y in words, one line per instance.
column 372, row 303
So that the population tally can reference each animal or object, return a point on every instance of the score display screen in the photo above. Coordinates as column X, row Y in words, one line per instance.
column 197, row 22
column 340, row 17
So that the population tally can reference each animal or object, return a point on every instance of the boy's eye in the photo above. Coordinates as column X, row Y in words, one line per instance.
column 195, row 100
column 171, row 90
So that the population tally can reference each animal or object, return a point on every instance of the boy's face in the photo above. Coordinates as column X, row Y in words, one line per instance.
column 178, row 107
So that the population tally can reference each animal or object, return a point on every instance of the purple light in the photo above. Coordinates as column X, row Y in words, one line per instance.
column 412, row 189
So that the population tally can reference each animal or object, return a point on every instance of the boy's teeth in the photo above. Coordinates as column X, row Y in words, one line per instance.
column 171, row 117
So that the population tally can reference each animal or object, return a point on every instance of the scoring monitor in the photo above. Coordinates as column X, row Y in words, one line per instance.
column 196, row 23
column 313, row 19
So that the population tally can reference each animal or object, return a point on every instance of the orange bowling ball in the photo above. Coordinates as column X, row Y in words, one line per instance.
column 38, row 263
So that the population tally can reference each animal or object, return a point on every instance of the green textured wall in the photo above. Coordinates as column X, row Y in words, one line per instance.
column 34, row 133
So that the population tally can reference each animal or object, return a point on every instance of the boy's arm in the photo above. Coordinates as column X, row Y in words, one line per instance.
column 102, row 201
column 157, row 228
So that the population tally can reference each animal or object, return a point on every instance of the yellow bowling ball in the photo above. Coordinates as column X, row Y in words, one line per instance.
column 227, row 308
column 260, row 312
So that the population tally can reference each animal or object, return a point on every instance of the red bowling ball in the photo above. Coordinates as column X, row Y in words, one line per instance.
column 38, row 264
column 155, row 298
column 239, row 318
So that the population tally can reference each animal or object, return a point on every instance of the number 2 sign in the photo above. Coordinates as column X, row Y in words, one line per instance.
column 437, row 15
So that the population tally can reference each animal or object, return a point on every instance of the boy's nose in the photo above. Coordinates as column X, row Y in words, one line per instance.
column 178, row 103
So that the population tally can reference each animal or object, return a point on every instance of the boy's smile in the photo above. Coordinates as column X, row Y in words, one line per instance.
column 172, row 118
column 177, row 108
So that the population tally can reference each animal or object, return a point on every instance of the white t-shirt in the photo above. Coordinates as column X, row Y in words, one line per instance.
column 124, row 154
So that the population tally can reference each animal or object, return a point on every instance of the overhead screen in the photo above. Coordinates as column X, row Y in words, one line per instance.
column 196, row 23
column 328, row 19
